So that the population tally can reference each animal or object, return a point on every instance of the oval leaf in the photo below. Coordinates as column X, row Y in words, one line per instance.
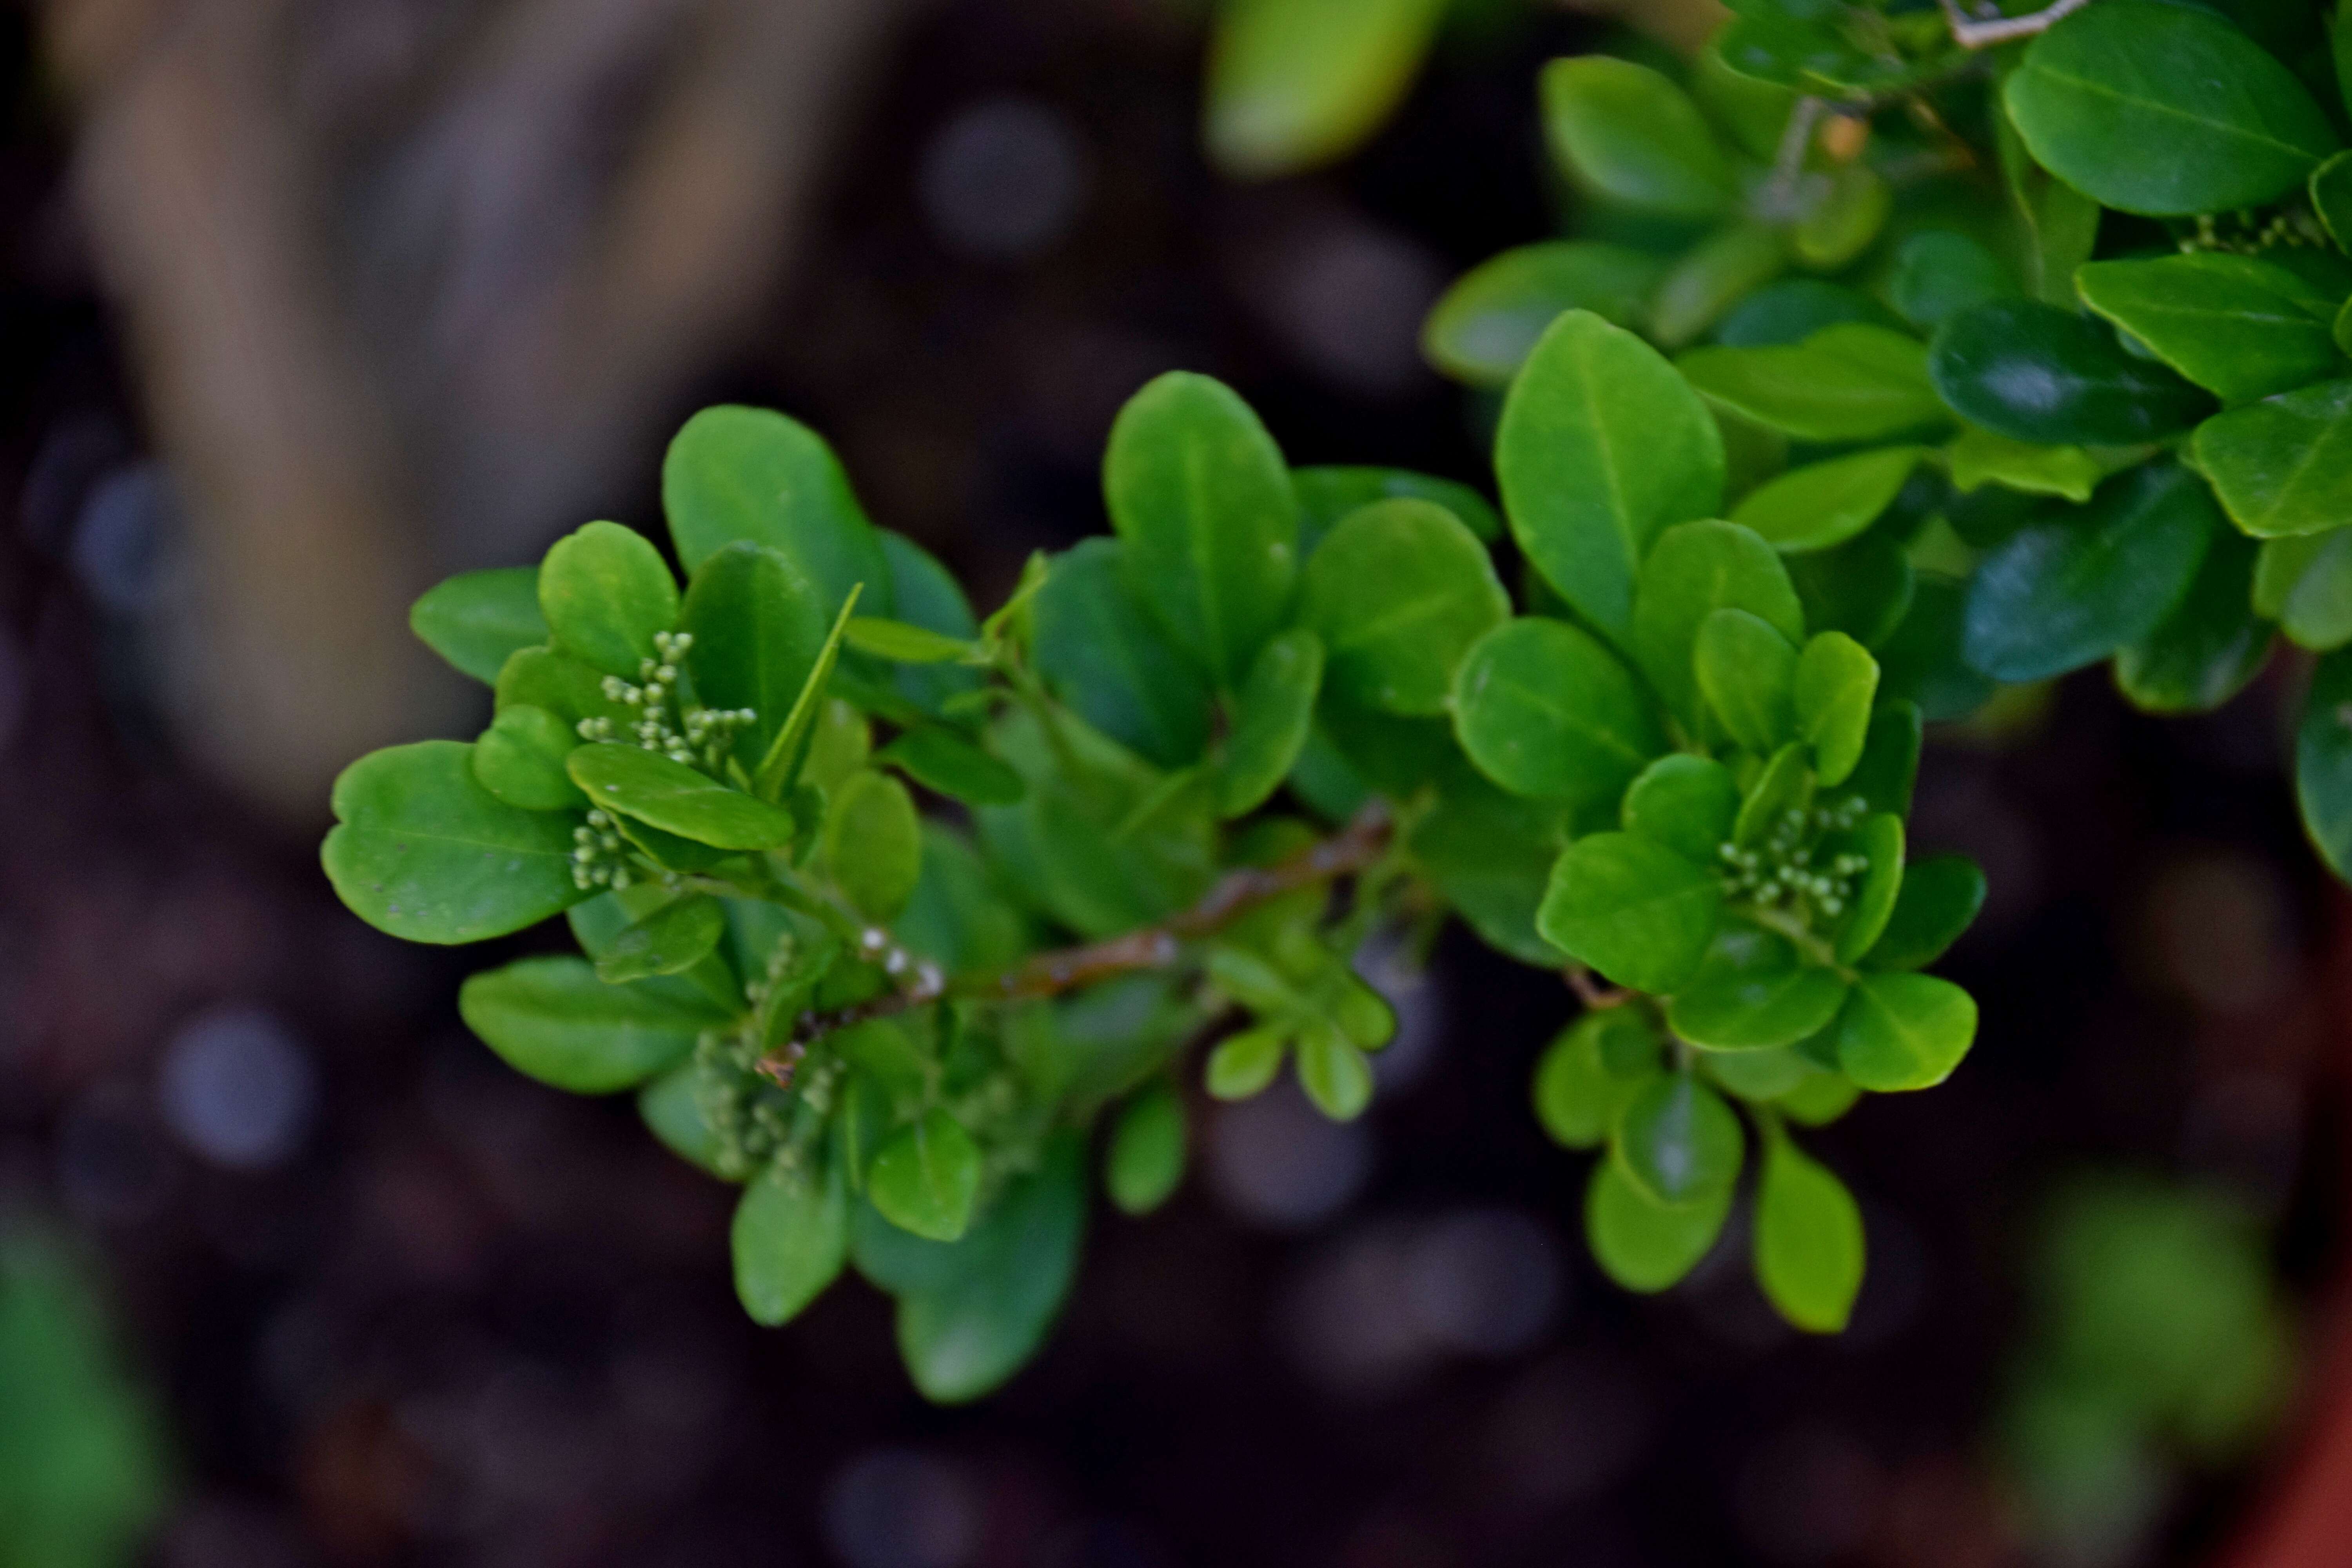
column 665, row 795
column 551, row 1019
column 1632, row 908
column 1545, row 711
column 1399, row 592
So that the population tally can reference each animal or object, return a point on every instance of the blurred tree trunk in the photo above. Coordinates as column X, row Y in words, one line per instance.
column 409, row 286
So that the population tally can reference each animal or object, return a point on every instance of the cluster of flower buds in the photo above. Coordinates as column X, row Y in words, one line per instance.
column 1781, row 871
column 698, row 738
column 599, row 857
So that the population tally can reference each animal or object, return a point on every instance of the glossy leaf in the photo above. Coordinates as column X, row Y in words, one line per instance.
column 1488, row 323
column 1827, row 503
column 1836, row 684
column 1752, row 993
column 423, row 851
column 791, row 1238
column 1623, row 132
column 1784, row 785
column 564, row 686
column 1643, row 1245
column 551, row 1019
column 1939, row 272
column 1399, row 593
column 1676, row 1141
column 606, row 592
column 1146, row 1162
column 1108, row 660
column 1202, row 501
column 1695, row 570
column 2164, row 110
column 1601, row 446
column 1272, row 717
column 2034, row 373
column 2236, row 325
column 1632, row 908
column 872, row 845
column 1903, row 1031
column 674, row 799
column 1747, row 672
column 2284, row 466
column 476, row 620
column 1938, row 899
column 1545, row 711
column 1295, row 83
column 1793, row 309
column 520, row 759
column 1847, row 383
column 1809, row 1240
column 670, row 940
column 2213, row 642
column 749, row 474
column 1685, row 803
column 757, row 628
column 901, row 643
column 1879, row 841
column 925, row 1176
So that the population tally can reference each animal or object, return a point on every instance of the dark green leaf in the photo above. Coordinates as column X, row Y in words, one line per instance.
column 1272, row 717
column 1676, row 1139
column 1327, row 494
column 1398, row 592
column 1753, row 994
column 1488, row 322
column 1545, row 711
column 1695, row 570
column 925, row 1176
column 1924, row 661
column 2236, row 325
column 1747, row 671
column 1632, row 908
column 1686, row 803
column 2330, row 188
column 758, row 630
column 1808, row 1241
column 1938, row 898
column 2069, row 592
column 422, row 850
column 959, row 916
column 748, row 474
column 2323, row 762
column 671, row 940
column 1202, row 500
column 1146, row 1162
column 1601, row 446
column 2059, row 224
column 791, row 1237
column 1292, row 86
column 674, row 799
column 605, row 592
column 924, row 594
column 670, row 1106
column 1623, row 132
column 1939, row 273
column 1862, row 588
column 1793, row 309
column 1890, row 759
column 1108, row 660
column 2034, row 373
column 1489, row 854
column 477, row 619
column 2284, row 466
column 1880, row 842
column 1827, row 503
column 872, row 845
column 1645, row 1245
column 520, row 759
column 1836, row 683
column 939, row 759
column 2165, row 110
column 1904, row 1031
column 551, row 1019
column 1847, row 383
column 2206, row 651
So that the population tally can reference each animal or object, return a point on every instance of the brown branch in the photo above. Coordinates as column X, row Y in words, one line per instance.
column 1354, row 849
column 1983, row 34
column 1592, row 993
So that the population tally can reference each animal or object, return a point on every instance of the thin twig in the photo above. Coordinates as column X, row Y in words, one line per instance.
column 1590, row 991
column 1971, row 35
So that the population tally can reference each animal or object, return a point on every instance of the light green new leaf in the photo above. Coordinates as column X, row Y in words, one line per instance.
column 564, row 686
column 1851, row 211
column 1399, row 592
column 872, row 845
column 1784, row 785
column 1977, row 457
column 1625, row 131
column 1333, row 1072
column 1747, row 672
column 1272, row 717
column 812, row 723
column 1827, row 503
column 1685, row 803
column 735, row 473
column 1880, row 842
column 1676, row 1141
column 520, row 759
column 2238, row 326
column 791, row 1237
column 476, row 620
column 1753, row 994
column 1836, row 682
column 606, row 591
column 1903, row 1031
column 1632, row 908
column 925, row 1177
column 903, row 644
column 1851, row 382
column 1545, row 711
column 423, row 851
column 2323, row 762
column 670, row 940
column 2165, row 110
column 1146, row 1162
column 758, row 630
column 1809, row 1240
column 551, row 1019
column 1243, row 1064
column 1295, row 83
column 1695, row 570
column 1484, row 327
column 1938, row 900
column 674, row 799
column 1645, row 1245
column 1586, row 1075
column 1202, row 500
column 1601, row 446
column 2283, row 466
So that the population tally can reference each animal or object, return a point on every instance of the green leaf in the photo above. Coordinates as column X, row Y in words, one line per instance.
column 1712, row 277
column 1850, row 213
column 1685, row 803
column 903, row 644
column 520, row 759
column 1296, row 83
column 1747, row 671
column 2283, row 466
column 1851, row 382
column 1399, row 592
column 2059, row 225
column 1890, row 758
column 749, row 474
column 477, row 619
column 2238, row 326
column 551, row 1019
column 1903, row 1031
column 1938, row 899
column 925, row 1176
column 1940, row 273
column 1577, row 1091
column 1601, row 446
column 924, row 594
column 1645, row 1245
column 2330, row 185
column 2034, row 373
column 1632, row 908
column 1545, row 711
column 1820, row 1099
column 783, row 768
column 572, row 691
column 1108, row 660
column 1676, row 1141
column 872, row 845
column 1272, row 717
column 424, row 852
column 1793, row 309
column 1863, row 588
column 1880, row 842
column 1003, row 1285
column 758, row 630
column 939, row 759
column 1785, row 785
column 1695, row 570
column 1924, row 661
column 669, row 796
column 2069, row 592
column 2323, row 762
column 1836, row 682
column 1325, row 495
column 1146, row 1162
column 1201, row 500
column 1484, row 327
column 2164, row 110
column 1489, row 856
column 1333, row 1071
column 1809, row 1240
column 1827, row 503
column 707, row 987
column 2213, row 643
column 1758, row 1077
column 671, row 940
column 1753, row 994
column 958, row 915
column 1977, row 457
column 791, row 1237
column 2311, row 586
column 1624, row 132
column 670, row 1106
column 606, row 592
column 1244, row 1063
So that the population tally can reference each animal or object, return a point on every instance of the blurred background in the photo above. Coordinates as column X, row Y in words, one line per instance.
column 304, row 303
